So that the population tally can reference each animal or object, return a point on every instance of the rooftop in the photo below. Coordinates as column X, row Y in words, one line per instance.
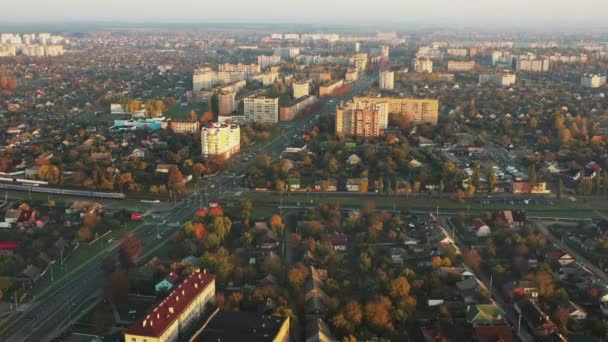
column 165, row 313
column 228, row 326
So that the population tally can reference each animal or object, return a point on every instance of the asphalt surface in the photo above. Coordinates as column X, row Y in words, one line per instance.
column 45, row 319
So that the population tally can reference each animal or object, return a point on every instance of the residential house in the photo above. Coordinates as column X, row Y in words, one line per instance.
column 318, row 331
column 165, row 168
column 326, row 185
column 353, row 160
column 522, row 288
column 527, row 188
column 468, row 289
column 560, row 256
column 338, row 241
column 480, row 228
column 537, row 320
column 576, row 312
column 167, row 283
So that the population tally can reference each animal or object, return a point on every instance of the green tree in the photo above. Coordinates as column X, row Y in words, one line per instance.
column 475, row 177
column 491, row 177
column 532, row 176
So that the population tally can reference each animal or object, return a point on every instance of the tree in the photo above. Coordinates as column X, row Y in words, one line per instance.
column 297, row 276
column 491, row 177
column 561, row 316
column 192, row 116
column 176, row 181
column 399, row 288
column 353, row 312
column 276, row 223
column 129, row 251
column 377, row 314
column 85, row 234
column 246, row 208
column 272, row 265
column 473, row 259
column 546, row 284
column 49, row 173
column 207, row 117
column 532, row 176
column 560, row 188
column 198, row 229
column 118, row 288
column 475, row 177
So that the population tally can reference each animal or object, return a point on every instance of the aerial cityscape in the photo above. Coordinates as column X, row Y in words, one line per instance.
column 322, row 171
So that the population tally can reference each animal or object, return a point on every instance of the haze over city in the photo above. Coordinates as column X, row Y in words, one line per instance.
column 312, row 171
column 514, row 14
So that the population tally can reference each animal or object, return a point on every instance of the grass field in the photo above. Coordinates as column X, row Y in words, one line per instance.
column 180, row 112
column 559, row 209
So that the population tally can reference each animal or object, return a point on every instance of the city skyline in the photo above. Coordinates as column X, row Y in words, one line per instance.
column 541, row 13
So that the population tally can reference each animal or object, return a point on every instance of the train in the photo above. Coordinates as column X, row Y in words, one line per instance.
column 34, row 186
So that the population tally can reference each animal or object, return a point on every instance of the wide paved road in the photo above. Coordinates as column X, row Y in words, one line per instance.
column 45, row 319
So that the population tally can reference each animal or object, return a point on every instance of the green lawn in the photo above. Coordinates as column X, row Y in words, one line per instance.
column 180, row 112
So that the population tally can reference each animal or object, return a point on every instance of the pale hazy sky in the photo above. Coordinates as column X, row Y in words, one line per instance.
column 475, row 12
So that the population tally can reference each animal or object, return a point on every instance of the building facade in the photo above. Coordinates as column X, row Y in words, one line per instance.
column 532, row 65
column 170, row 320
column 268, row 61
column 328, row 90
column 261, row 109
column 387, row 80
column 501, row 80
column 423, row 65
column 301, row 89
column 592, row 81
column 220, row 141
column 226, row 103
column 457, row 66
column 357, row 123
column 203, row 79
column 418, row 110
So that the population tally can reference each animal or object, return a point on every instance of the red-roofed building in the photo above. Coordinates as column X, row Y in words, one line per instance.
column 176, row 313
column 480, row 227
column 9, row 245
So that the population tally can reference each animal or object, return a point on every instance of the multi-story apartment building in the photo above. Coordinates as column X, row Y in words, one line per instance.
column 203, row 79
column 170, row 320
column 328, row 90
column 500, row 79
column 592, row 81
column 532, row 65
column 460, row 52
column 352, row 74
column 230, row 76
column 423, row 65
column 226, row 103
column 385, row 52
column 458, row 66
column 220, row 141
column 249, row 69
column 288, row 52
column 301, row 89
column 267, row 61
column 288, row 113
column 261, row 109
column 360, row 61
column 418, row 110
column 387, row 79
column 182, row 127
column 357, row 122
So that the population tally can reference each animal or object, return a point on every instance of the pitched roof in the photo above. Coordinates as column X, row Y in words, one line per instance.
column 165, row 313
column 484, row 313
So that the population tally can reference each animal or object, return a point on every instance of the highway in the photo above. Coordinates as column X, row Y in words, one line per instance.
column 45, row 319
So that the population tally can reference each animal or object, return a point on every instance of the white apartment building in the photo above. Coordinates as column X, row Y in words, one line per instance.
column 423, row 65
column 261, row 109
column 532, row 65
column 268, row 61
column 220, row 140
column 387, row 80
column 301, row 89
column 592, row 81
column 461, row 66
column 288, row 52
column 203, row 79
column 226, row 103
column 501, row 80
